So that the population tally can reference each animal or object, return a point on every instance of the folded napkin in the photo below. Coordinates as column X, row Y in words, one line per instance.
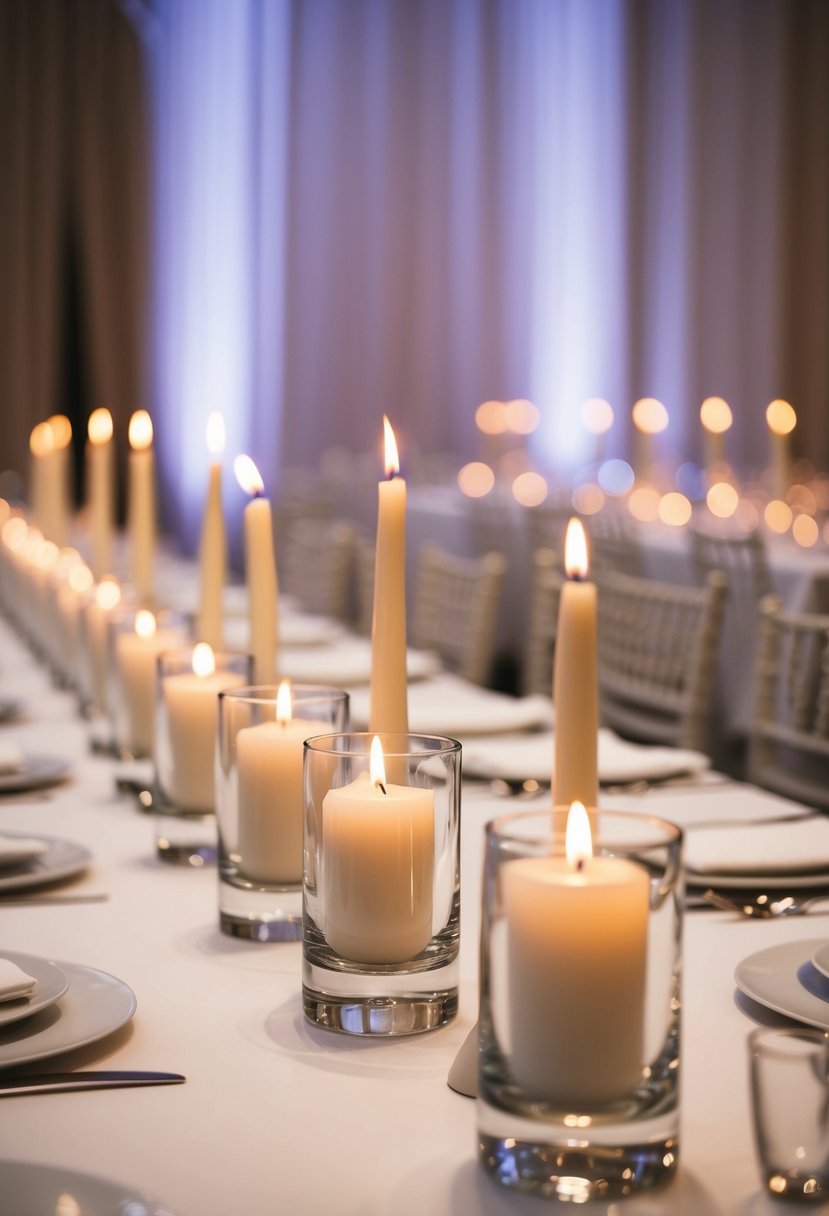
column 347, row 662
column 796, row 846
column 12, row 758
column 524, row 757
column 450, row 705
column 295, row 629
column 14, row 850
column 14, row 982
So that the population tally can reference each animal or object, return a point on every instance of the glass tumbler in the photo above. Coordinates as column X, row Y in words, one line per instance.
column 381, row 883
column 578, row 1086
column 260, row 803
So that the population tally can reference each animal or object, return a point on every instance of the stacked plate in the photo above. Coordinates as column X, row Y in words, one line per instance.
column 31, row 861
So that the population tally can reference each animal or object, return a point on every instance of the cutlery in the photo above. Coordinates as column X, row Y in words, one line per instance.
column 55, row 1082
column 93, row 897
column 762, row 905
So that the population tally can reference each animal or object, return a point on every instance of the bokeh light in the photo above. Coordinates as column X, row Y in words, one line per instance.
column 780, row 417
column 800, row 498
column 522, row 416
column 722, row 499
column 491, row 417
column 643, row 504
column 691, row 481
column 597, row 415
column 715, row 415
column 588, row 499
column 530, row 489
column 649, row 416
column 476, row 479
column 747, row 516
column 778, row 516
column 674, row 509
column 616, row 477
column 805, row 531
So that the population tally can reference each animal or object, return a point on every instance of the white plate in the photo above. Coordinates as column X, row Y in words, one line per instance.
column 757, row 882
column 31, row 1189
column 820, row 959
column 52, row 982
column 783, row 979
column 95, row 1005
column 62, row 859
column 16, row 851
column 35, row 772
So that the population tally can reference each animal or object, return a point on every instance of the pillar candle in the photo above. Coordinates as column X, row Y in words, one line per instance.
column 61, row 478
column 577, row 946
column 575, row 683
column 213, row 547
column 41, row 484
column 136, row 652
column 141, row 509
column 781, row 420
column 99, row 608
column 100, row 489
column 260, row 571
column 389, row 697
column 378, row 846
column 269, row 759
column 191, row 702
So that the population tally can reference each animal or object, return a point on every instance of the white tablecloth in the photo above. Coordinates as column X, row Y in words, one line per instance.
column 277, row 1116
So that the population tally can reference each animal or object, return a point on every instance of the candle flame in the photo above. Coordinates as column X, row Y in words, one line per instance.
column 99, row 426
column 215, row 434
column 145, row 623
column 575, row 550
column 649, row 416
column 41, row 440
column 81, row 578
column 376, row 763
column 780, row 417
column 14, row 533
column 392, row 458
column 248, row 476
column 47, row 555
column 715, row 415
column 284, row 708
column 140, row 430
column 108, row 594
column 578, row 841
column 204, row 660
column 61, row 429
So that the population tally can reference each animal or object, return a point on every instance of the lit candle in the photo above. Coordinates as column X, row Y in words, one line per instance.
column 191, row 700
column 389, row 710
column 76, row 583
column 269, row 759
column 136, row 652
column 575, row 681
column 576, row 932
column 100, row 489
column 260, row 568
column 96, row 616
column 213, row 549
column 378, row 844
column 141, row 511
column 649, row 418
column 41, row 446
column 781, row 420
column 716, row 418
column 60, row 477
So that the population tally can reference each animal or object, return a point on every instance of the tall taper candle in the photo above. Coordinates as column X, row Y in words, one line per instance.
column 100, row 489
column 389, row 709
column 142, row 502
column 260, row 570
column 576, row 682
column 213, row 549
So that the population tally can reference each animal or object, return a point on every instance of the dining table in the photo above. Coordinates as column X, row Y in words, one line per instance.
column 280, row 1116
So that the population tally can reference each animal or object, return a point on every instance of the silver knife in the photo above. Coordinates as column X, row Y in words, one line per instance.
column 55, row 1082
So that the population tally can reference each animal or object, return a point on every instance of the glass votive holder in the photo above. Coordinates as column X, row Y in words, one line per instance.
column 580, row 1005
column 188, row 683
column 381, row 883
column 136, row 637
column 789, row 1071
column 260, row 803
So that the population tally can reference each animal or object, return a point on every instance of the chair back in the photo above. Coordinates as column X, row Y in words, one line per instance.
column 455, row 609
column 789, row 741
column 316, row 566
column 545, row 593
column 614, row 543
column 657, row 654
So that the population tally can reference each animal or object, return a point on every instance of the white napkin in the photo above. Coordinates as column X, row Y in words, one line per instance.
column 450, row 705
column 12, row 758
column 14, row 850
column 760, row 848
column 294, row 630
column 14, row 982
column 523, row 757
column 347, row 662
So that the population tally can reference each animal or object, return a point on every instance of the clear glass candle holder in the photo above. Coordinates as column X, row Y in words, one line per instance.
column 135, row 639
column 188, row 683
column 578, row 1085
column 381, row 883
column 260, row 804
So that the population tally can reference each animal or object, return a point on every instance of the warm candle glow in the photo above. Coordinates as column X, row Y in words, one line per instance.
column 491, row 417
column 204, row 661
column 475, row 479
column 575, row 550
column 780, row 417
column 530, row 489
column 722, row 499
column 61, row 429
column 587, row 499
column 578, row 841
column 215, row 434
column 47, row 555
column 14, row 533
column 108, row 594
column 675, row 509
column 41, row 440
column 140, row 430
column 392, row 460
column 805, row 531
column 248, row 476
column 284, row 706
column 643, row 504
column 650, row 416
column 597, row 415
column 99, row 427
column 145, row 623
column 81, row 578
column 522, row 416
column 376, row 763
column 715, row 415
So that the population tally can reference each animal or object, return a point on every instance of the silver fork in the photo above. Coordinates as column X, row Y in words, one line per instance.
column 763, row 906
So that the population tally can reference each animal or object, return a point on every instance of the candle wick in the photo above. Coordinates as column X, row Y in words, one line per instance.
column 578, row 577
column 580, row 865
column 382, row 787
